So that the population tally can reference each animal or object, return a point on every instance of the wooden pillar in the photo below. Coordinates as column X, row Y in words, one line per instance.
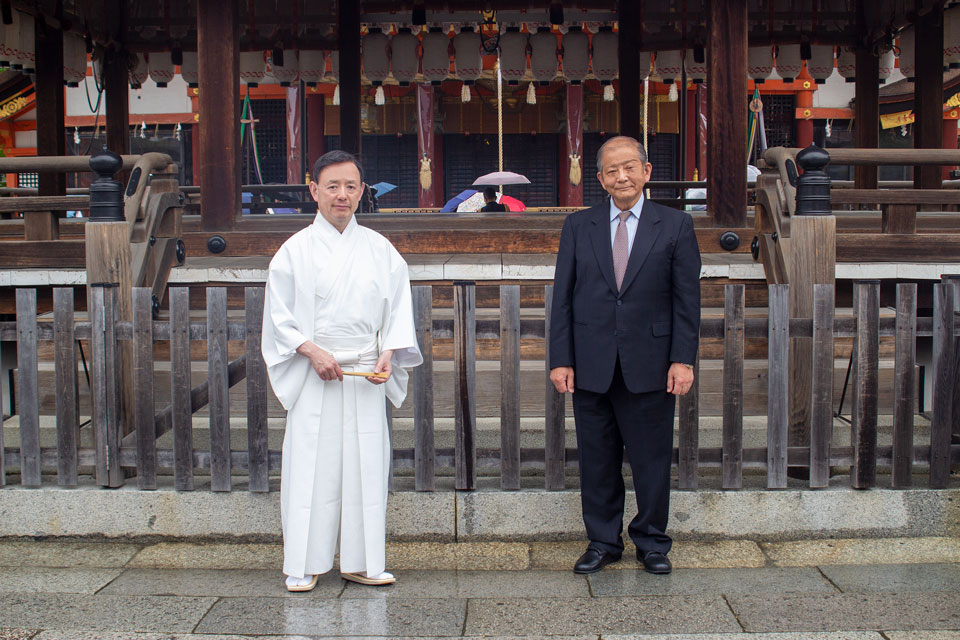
column 692, row 133
column 804, row 125
column 115, row 85
column 571, row 195
column 867, row 113
column 218, row 38
column 315, row 129
column 949, row 139
column 294, row 135
column 348, row 18
column 631, row 86
column 726, row 112
column 117, row 91
column 50, row 137
column 427, row 169
column 928, row 93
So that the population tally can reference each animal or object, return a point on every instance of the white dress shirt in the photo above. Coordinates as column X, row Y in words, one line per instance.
column 631, row 221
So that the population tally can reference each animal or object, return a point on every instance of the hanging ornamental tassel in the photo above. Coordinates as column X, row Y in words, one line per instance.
column 336, row 96
column 575, row 172
column 608, row 93
column 378, row 96
column 426, row 177
column 531, row 94
column 465, row 92
column 672, row 94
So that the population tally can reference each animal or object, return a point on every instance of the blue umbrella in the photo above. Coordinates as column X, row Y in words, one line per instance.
column 383, row 187
column 452, row 203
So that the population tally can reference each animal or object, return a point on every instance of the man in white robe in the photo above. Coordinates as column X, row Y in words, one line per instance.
column 337, row 302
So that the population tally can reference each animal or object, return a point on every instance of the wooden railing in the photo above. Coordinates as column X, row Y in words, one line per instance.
column 138, row 451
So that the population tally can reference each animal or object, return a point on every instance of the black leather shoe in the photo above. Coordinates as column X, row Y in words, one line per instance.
column 593, row 560
column 655, row 562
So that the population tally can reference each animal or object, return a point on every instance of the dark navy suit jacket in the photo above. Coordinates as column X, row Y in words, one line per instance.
column 652, row 321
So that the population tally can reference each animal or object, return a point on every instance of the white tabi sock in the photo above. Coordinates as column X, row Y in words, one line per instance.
column 299, row 582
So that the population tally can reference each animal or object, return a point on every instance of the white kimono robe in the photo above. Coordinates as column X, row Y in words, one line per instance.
column 350, row 294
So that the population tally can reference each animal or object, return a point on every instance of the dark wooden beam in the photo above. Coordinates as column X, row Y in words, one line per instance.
column 867, row 114
column 50, row 137
column 315, row 129
column 631, row 86
column 218, row 40
column 115, row 78
column 928, row 93
column 348, row 16
column 726, row 109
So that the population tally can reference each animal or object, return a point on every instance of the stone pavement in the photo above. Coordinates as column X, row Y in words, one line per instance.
column 898, row 589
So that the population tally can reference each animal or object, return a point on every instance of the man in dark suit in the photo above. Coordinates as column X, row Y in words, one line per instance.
column 625, row 327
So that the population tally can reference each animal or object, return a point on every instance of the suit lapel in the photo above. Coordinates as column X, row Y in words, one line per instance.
column 648, row 230
column 600, row 238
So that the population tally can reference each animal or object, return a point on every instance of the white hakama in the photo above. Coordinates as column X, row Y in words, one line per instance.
column 351, row 297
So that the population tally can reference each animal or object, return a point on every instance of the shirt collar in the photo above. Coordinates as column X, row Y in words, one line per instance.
column 635, row 209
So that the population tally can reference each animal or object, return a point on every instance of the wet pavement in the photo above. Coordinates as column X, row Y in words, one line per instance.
column 905, row 590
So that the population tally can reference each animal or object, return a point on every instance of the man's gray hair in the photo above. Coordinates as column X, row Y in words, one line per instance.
column 620, row 140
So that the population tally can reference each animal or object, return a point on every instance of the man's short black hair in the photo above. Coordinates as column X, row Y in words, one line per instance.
column 489, row 193
column 335, row 157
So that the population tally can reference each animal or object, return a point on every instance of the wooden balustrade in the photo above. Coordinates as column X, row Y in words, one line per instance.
column 139, row 451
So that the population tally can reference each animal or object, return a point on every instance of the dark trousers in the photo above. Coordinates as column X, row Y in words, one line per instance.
column 643, row 424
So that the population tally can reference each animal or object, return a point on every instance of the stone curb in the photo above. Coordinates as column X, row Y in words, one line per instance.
column 484, row 556
column 529, row 515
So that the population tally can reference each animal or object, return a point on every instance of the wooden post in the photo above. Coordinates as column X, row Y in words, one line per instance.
column 423, row 447
column 778, row 406
column 953, row 280
column 555, row 411
column 944, row 384
column 733, row 328
column 218, row 387
column 726, row 109
column 688, row 454
column 867, row 113
column 50, row 138
column 68, row 412
column 631, row 86
column 348, row 31
column 510, row 387
column 257, row 446
column 904, row 385
column 108, row 262
column 813, row 247
column 928, row 93
column 28, row 396
column 143, row 381
column 218, row 38
column 180, row 388
column 866, row 348
column 104, row 380
column 821, row 401
column 464, row 384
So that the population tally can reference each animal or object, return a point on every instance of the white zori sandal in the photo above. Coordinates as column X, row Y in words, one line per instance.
column 377, row 580
column 306, row 583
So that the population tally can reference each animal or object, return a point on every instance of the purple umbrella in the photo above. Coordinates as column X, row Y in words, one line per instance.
column 453, row 202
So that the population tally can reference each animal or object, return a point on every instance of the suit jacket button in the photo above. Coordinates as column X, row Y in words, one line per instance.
column 619, row 302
